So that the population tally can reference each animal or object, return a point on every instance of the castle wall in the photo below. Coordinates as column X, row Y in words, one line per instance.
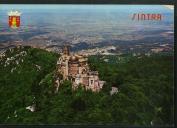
column 85, row 81
column 73, row 69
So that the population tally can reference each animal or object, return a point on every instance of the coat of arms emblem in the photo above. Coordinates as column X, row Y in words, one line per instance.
column 14, row 19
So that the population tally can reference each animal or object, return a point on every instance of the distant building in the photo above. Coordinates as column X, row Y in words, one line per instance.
column 75, row 68
column 114, row 90
column 157, row 50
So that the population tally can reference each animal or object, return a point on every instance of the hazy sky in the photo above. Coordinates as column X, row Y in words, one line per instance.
column 95, row 18
column 104, row 7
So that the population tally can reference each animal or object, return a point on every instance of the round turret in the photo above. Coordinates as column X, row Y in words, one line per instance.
column 66, row 50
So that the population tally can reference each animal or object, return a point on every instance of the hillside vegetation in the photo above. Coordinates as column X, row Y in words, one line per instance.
column 145, row 94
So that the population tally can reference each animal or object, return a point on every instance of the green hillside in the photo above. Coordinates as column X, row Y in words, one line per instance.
column 145, row 94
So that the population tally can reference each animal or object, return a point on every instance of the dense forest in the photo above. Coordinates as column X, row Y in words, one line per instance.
column 145, row 95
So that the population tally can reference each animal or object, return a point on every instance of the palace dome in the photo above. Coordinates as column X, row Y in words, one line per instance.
column 73, row 58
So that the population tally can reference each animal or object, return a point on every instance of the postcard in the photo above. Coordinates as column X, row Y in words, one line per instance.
column 87, row 64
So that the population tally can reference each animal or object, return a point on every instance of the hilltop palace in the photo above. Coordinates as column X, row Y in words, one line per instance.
column 75, row 68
